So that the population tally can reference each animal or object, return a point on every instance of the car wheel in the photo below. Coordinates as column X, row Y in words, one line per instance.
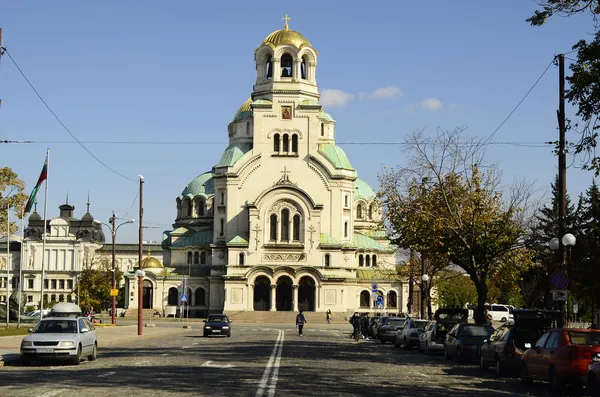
column 382, row 341
column 406, row 345
column 206, row 334
column 447, row 354
column 396, row 344
column 77, row 358
column 525, row 375
column 427, row 351
column 482, row 364
column 92, row 357
column 503, row 320
column 229, row 334
column 459, row 355
column 499, row 367
column 555, row 385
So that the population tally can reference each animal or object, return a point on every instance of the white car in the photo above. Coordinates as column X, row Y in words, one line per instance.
column 60, row 336
column 408, row 335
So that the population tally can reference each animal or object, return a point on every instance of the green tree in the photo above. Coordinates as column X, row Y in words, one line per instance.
column 454, row 289
column 12, row 195
column 584, row 88
column 447, row 202
column 95, row 283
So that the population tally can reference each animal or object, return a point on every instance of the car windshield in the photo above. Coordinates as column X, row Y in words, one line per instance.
column 584, row 338
column 396, row 322
column 56, row 327
column 420, row 324
column 218, row 319
column 476, row 330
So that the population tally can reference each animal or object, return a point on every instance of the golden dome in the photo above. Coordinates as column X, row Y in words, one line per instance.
column 286, row 36
column 246, row 107
column 151, row 262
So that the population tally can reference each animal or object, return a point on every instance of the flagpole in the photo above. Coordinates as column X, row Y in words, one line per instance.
column 7, row 263
column 44, row 235
column 21, row 270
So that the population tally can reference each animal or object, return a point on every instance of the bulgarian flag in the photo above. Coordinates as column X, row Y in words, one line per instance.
column 42, row 178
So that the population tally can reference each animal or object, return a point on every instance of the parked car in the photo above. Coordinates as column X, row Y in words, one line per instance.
column 387, row 327
column 376, row 325
column 464, row 341
column 61, row 335
column 217, row 324
column 434, row 336
column 593, row 377
column 561, row 356
column 373, row 326
column 505, row 346
column 408, row 335
column 499, row 312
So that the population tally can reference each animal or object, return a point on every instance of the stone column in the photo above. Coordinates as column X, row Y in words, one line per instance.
column 273, row 297
column 295, row 298
column 318, row 297
column 276, row 62
column 250, row 303
column 296, row 70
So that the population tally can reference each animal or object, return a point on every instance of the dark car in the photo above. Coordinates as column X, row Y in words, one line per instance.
column 217, row 324
column 435, row 335
column 464, row 341
column 593, row 377
column 373, row 326
column 387, row 327
column 505, row 346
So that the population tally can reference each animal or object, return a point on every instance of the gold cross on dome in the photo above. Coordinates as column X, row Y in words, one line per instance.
column 286, row 19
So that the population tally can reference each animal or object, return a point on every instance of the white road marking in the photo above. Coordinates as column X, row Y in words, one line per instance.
column 273, row 364
column 186, row 347
column 107, row 374
column 208, row 364
column 165, row 354
column 195, row 343
column 52, row 393
column 142, row 362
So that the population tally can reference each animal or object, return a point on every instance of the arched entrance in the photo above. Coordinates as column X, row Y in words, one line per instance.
column 284, row 296
column 262, row 293
column 148, row 297
column 306, row 294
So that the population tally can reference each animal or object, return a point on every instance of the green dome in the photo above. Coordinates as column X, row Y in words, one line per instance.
column 233, row 153
column 362, row 190
column 336, row 156
column 202, row 185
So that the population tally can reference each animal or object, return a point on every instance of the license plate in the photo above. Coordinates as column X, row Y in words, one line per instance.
column 216, row 330
column 45, row 350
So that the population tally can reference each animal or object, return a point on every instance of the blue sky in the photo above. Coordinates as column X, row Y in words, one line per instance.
column 177, row 71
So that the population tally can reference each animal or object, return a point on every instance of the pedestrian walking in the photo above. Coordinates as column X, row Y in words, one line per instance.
column 300, row 321
column 355, row 321
column 365, row 326
column 328, row 316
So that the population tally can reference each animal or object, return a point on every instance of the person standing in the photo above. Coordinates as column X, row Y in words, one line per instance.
column 328, row 316
column 365, row 326
column 300, row 321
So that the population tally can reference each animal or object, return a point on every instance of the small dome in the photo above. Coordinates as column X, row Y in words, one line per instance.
column 286, row 36
column 35, row 217
column 244, row 111
column 151, row 262
column 202, row 185
column 362, row 190
column 87, row 217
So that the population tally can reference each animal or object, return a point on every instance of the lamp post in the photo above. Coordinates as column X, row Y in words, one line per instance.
column 424, row 295
column 568, row 241
column 140, row 275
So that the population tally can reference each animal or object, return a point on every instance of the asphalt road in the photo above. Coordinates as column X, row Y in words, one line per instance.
column 259, row 360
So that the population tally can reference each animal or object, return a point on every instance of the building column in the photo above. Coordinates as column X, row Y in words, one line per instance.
column 273, row 297
column 295, row 298
column 250, row 303
column 318, row 298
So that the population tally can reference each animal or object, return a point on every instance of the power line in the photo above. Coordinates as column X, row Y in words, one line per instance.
column 132, row 203
column 60, row 121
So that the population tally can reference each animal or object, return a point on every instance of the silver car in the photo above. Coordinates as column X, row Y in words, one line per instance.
column 69, row 338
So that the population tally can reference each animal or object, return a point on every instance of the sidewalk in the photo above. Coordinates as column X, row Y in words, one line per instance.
column 107, row 336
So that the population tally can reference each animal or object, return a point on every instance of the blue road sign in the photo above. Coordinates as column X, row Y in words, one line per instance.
column 380, row 299
column 184, row 298
column 559, row 279
column 374, row 287
column 380, row 305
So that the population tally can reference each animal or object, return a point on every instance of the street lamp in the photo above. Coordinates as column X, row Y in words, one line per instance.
column 568, row 241
column 112, row 220
column 140, row 275
column 424, row 301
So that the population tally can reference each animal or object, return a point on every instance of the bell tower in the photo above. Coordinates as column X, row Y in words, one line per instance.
column 285, row 66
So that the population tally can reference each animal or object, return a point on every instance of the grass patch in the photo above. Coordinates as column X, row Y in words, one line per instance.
column 15, row 331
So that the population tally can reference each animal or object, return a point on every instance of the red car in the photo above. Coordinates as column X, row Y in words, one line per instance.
column 561, row 356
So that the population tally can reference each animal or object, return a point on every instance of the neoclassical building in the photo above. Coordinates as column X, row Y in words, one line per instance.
column 282, row 221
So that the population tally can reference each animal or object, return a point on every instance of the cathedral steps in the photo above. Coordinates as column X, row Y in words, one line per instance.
column 268, row 317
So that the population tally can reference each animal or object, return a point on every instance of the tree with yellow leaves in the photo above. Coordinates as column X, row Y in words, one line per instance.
column 447, row 203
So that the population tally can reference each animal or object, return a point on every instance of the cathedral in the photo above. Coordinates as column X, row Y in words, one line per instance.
column 282, row 221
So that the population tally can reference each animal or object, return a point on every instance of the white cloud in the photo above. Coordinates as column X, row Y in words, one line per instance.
column 385, row 92
column 429, row 103
column 335, row 98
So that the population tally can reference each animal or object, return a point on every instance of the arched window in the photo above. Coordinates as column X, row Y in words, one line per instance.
column 273, row 227
column 172, row 298
column 52, row 298
column 285, row 224
column 276, row 143
column 286, row 143
column 241, row 260
column 286, row 65
column 322, row 129
column 368, row 260
column 392, row 299
column 61, row 298
column 374, row 260
column 203, row 258
column 296, row 234
column 196, row 257
column 269, row 68
column 189, row 260
column 303, row 69
column 222, row 227
column 222, row 198
column 201, row 205
column 361, row 260
column 247, row 128
column 188, row 204
column 364, row 299
column 345, row 229
column 371, row 211
column 327, row 260
column 359, row 211
column 200, row 297
column 346, row 201
column 294, row 143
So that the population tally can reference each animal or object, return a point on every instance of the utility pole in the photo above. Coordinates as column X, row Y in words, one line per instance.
column 140, row 247
column 562, row 174
column 113, row 317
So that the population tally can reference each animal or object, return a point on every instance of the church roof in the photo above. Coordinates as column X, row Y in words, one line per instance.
column 238, row 240
column 366, row 243
column 362, row 190
column 336, row 156
column 286, row 36
column 151, row 262
column 202, row 185
column 327, row 240
column 198, row 239
column 325, row 116
column 233, row 153
column 377, row 274
column 244, row 111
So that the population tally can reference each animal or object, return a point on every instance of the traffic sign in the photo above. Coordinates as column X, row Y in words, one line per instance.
column 559, row 279
column 114, row 292
column 374, row 287
column 380, row 299
column 380, row 305
column 575, row 306
column 559, row 295
column 184, row 298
